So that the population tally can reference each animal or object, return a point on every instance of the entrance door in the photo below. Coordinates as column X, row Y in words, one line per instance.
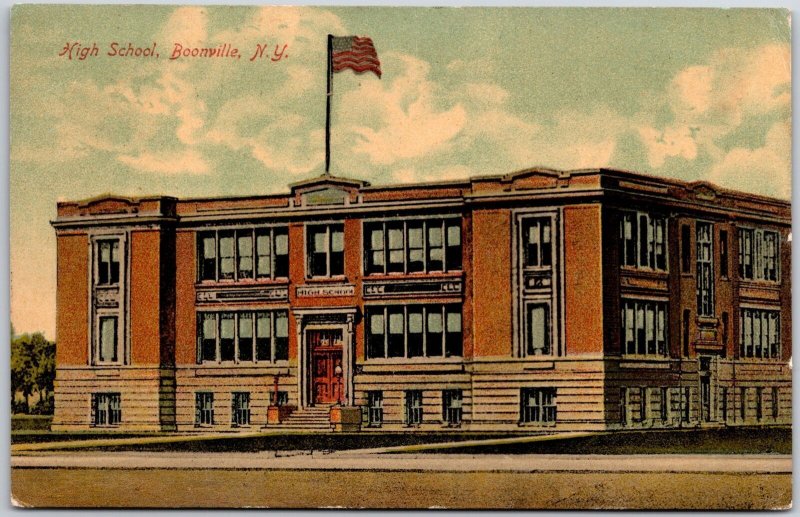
column 326, row 365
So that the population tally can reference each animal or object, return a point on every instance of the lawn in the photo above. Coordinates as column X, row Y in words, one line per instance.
column 732, row 440
column 751, row 440
column 21, row 422
column 274, row 442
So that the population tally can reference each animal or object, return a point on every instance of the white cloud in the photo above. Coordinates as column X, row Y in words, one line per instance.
column 763, row 170
column 188, row 161
column 406, row 120
column 187, row 26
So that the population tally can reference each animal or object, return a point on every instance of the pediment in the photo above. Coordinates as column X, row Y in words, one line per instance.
column 327, row 190
column 704, row 191
column 536, row 178
column 109, row 205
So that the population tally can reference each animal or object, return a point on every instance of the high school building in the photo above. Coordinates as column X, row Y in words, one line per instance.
column 580, row 300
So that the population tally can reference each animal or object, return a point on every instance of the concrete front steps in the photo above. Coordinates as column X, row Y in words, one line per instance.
column 306, row 419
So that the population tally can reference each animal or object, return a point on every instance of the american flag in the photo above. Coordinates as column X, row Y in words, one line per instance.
column 355, row 53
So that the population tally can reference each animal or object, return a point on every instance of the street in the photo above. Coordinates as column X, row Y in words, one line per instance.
column 356, row 480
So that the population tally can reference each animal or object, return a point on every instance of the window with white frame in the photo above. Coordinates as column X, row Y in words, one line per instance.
column 108, row 342
column 240, row 408
column 452, row 410
column 242, row 336
column 413, row 408
column 106, row 409
column 243, row 254
column 537, row 405
column 107, row 257
column 759, row 254
column 412, row 246
column 760, row 333
column 644, row 327
column 537, row 238
column 410, row 331
column 204, row 408
column 643, row 241
column 325, row 250
column 538, row 329
column 705, row 269
column 375, row 408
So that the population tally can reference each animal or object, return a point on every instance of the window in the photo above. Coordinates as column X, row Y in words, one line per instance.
column 723, row 254
column 664, row 407
column 644, row 327
column 538, row 335
column 108, row 349
column 538, row 242
column 242, row 255
column 686, row 315
column 375, row 408
column 776, row 402
column 759, row 403
column 743, row 403
column 452, row 407
column 758, row 255
column 107, row 257
column 705, row 269
column 687, row 404
column 106, row 409
column 643, row 404
column 623, row 406
column 240, row 409
column 686, row 249
column 538, row 405
column 723, row 395
column 242, row 336
column 414, row 331
column 280, row 398
column 413, row 246
column 413, row 408
column 204, row 408
column 643, row 241
column 325, row 250
column 759, row 333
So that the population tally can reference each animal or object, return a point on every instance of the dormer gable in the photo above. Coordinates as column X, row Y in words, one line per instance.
column 536, row 178
column 326, row 190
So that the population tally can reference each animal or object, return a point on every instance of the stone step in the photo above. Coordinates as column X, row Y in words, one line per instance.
column 317, row 427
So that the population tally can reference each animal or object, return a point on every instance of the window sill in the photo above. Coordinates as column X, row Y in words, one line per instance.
column 536, row 424
column 105, row 426
column 108, row 368
column 283, row 363
column 417, row 274
column 337, row 279
column 760, row 284
column 242, row 283
column 655, row 273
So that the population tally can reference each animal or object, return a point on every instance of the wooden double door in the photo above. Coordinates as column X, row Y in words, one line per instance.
column 326, row 346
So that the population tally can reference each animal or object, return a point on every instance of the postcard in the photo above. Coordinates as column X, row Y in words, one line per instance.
column 384, row 257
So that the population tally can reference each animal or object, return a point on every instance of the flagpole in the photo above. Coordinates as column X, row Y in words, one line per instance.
column 328, row 107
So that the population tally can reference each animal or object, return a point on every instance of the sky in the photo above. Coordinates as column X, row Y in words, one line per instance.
column 701, row 94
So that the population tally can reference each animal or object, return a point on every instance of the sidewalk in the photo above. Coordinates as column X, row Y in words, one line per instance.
column 350, row 461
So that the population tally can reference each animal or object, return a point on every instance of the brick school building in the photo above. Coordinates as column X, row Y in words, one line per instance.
column 557, row 300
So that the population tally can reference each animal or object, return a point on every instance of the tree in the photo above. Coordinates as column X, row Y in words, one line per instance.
column 32, row 368
column 22, row 369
